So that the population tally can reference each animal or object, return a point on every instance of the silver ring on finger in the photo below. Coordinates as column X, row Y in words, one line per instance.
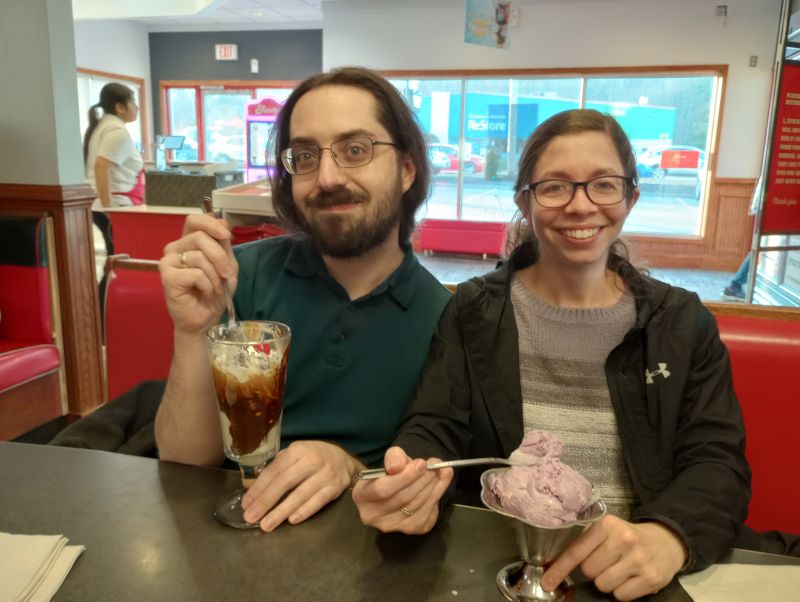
column 184, row 260
column 406, row 511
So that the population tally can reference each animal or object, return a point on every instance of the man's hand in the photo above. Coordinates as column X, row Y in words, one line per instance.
column 310, row 474
column 407, row 499
column 195, row 270
column 629, row 560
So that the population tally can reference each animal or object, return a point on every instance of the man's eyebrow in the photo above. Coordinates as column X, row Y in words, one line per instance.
column 558, row 174
column 300, row 140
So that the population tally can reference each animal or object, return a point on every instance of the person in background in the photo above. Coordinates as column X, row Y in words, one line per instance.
column 352, row 170
column 735, row 290
column 567, row 336
column 112, row 165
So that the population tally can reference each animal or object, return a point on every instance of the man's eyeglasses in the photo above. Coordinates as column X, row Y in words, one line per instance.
column 603, row 190
column 350, row 152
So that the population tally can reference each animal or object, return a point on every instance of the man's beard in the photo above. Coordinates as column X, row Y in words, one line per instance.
column 345, row 236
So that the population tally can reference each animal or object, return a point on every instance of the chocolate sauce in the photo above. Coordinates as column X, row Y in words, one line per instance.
column 253, row 407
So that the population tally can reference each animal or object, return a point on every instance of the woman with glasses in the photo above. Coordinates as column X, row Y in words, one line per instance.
column 568, row 336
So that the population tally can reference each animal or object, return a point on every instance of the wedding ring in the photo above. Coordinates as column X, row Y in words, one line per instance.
column 184, row 263
column 406, row 511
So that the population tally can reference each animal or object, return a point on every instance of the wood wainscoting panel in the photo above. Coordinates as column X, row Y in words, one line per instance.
column 29, row 405
column 726, row 237
column 70, row 208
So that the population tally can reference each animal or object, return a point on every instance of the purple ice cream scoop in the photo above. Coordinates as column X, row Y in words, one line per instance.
column 545, row 491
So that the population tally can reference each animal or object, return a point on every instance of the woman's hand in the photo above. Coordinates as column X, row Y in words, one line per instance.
column 629, row 560
column 195, row 270
column 406, row 499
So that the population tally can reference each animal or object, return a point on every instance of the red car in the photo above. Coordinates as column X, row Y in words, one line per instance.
column 472, row 163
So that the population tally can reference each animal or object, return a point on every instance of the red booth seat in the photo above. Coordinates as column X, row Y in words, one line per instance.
column 459, row 236
column 23, row 364
column 30, row 392
column 764, row 347
column 138, row 328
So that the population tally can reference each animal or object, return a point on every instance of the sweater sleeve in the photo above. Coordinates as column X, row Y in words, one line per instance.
column 706, row 500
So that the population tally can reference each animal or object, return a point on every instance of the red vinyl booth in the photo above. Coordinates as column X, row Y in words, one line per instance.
column 461, row 236
column 764, row 347
column 138, row 328
column 30, row 392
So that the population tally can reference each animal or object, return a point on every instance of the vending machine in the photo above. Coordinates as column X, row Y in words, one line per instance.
column 260, row 117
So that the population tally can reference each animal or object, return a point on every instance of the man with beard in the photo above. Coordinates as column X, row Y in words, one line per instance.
column 351, row 172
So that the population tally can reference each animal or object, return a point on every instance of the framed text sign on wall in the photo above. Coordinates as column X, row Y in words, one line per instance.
column 781, row 212
column 226, row 52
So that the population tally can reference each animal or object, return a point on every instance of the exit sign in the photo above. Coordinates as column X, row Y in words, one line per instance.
column 226, row 52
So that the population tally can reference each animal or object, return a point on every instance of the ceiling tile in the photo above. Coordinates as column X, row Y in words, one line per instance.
column 260, row 15
column 301, row 13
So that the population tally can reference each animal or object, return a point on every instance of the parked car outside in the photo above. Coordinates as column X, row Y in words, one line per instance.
column 472, row 163
column 439, row 160
column 649, row 162
column 227, row 148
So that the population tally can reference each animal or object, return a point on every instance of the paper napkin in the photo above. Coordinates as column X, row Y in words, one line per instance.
column 743, row 583
column 33, row 567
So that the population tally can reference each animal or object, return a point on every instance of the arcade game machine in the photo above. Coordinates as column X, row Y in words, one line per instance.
column 258, row 120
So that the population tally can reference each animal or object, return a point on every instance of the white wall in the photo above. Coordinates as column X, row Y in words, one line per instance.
column 413, row 35
column 119, row 47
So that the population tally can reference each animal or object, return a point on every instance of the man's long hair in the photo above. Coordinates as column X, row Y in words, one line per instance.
column 393, row 114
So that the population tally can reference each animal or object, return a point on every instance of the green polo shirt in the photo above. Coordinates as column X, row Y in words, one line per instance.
column 353, row 365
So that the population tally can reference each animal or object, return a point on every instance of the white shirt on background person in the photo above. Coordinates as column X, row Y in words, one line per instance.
column 111, row 140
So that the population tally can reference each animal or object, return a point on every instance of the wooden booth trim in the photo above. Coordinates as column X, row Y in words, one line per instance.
column 791, row 314
column 69, row 206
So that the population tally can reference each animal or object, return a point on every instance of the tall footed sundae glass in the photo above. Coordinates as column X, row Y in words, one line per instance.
column 248, row 363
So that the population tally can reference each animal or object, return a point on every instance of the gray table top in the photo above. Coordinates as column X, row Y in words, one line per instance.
column 149, row 534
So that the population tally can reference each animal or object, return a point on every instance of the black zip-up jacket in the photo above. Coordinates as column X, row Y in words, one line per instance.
column 671, row 390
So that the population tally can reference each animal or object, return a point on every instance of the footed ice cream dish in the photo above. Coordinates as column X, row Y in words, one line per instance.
column 548, row 504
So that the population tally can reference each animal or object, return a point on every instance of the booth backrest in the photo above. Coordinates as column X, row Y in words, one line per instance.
column 764, row 347
column 138, row 328
column 763, row 343
column 25, row 305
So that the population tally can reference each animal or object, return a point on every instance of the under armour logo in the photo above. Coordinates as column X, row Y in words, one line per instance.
column 662, row 370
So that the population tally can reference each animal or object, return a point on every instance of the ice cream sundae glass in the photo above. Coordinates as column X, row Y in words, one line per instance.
column 248, row 362
column 548, row 504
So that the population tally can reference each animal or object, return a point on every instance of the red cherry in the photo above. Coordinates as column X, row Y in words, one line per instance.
column 262, row 347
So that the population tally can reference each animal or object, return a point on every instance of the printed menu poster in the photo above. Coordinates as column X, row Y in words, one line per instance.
column 487, row 23
column 781, row 211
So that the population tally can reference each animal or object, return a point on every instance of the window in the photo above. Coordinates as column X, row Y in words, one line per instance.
column 183, row 122
column 212, row 117
column 477, row 127
column 668, row 120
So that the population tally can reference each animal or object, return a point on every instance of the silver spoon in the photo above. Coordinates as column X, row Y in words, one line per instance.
column 208, row 209
column 374, row 473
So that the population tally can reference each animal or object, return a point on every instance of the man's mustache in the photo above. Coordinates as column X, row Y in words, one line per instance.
column 341, row 196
